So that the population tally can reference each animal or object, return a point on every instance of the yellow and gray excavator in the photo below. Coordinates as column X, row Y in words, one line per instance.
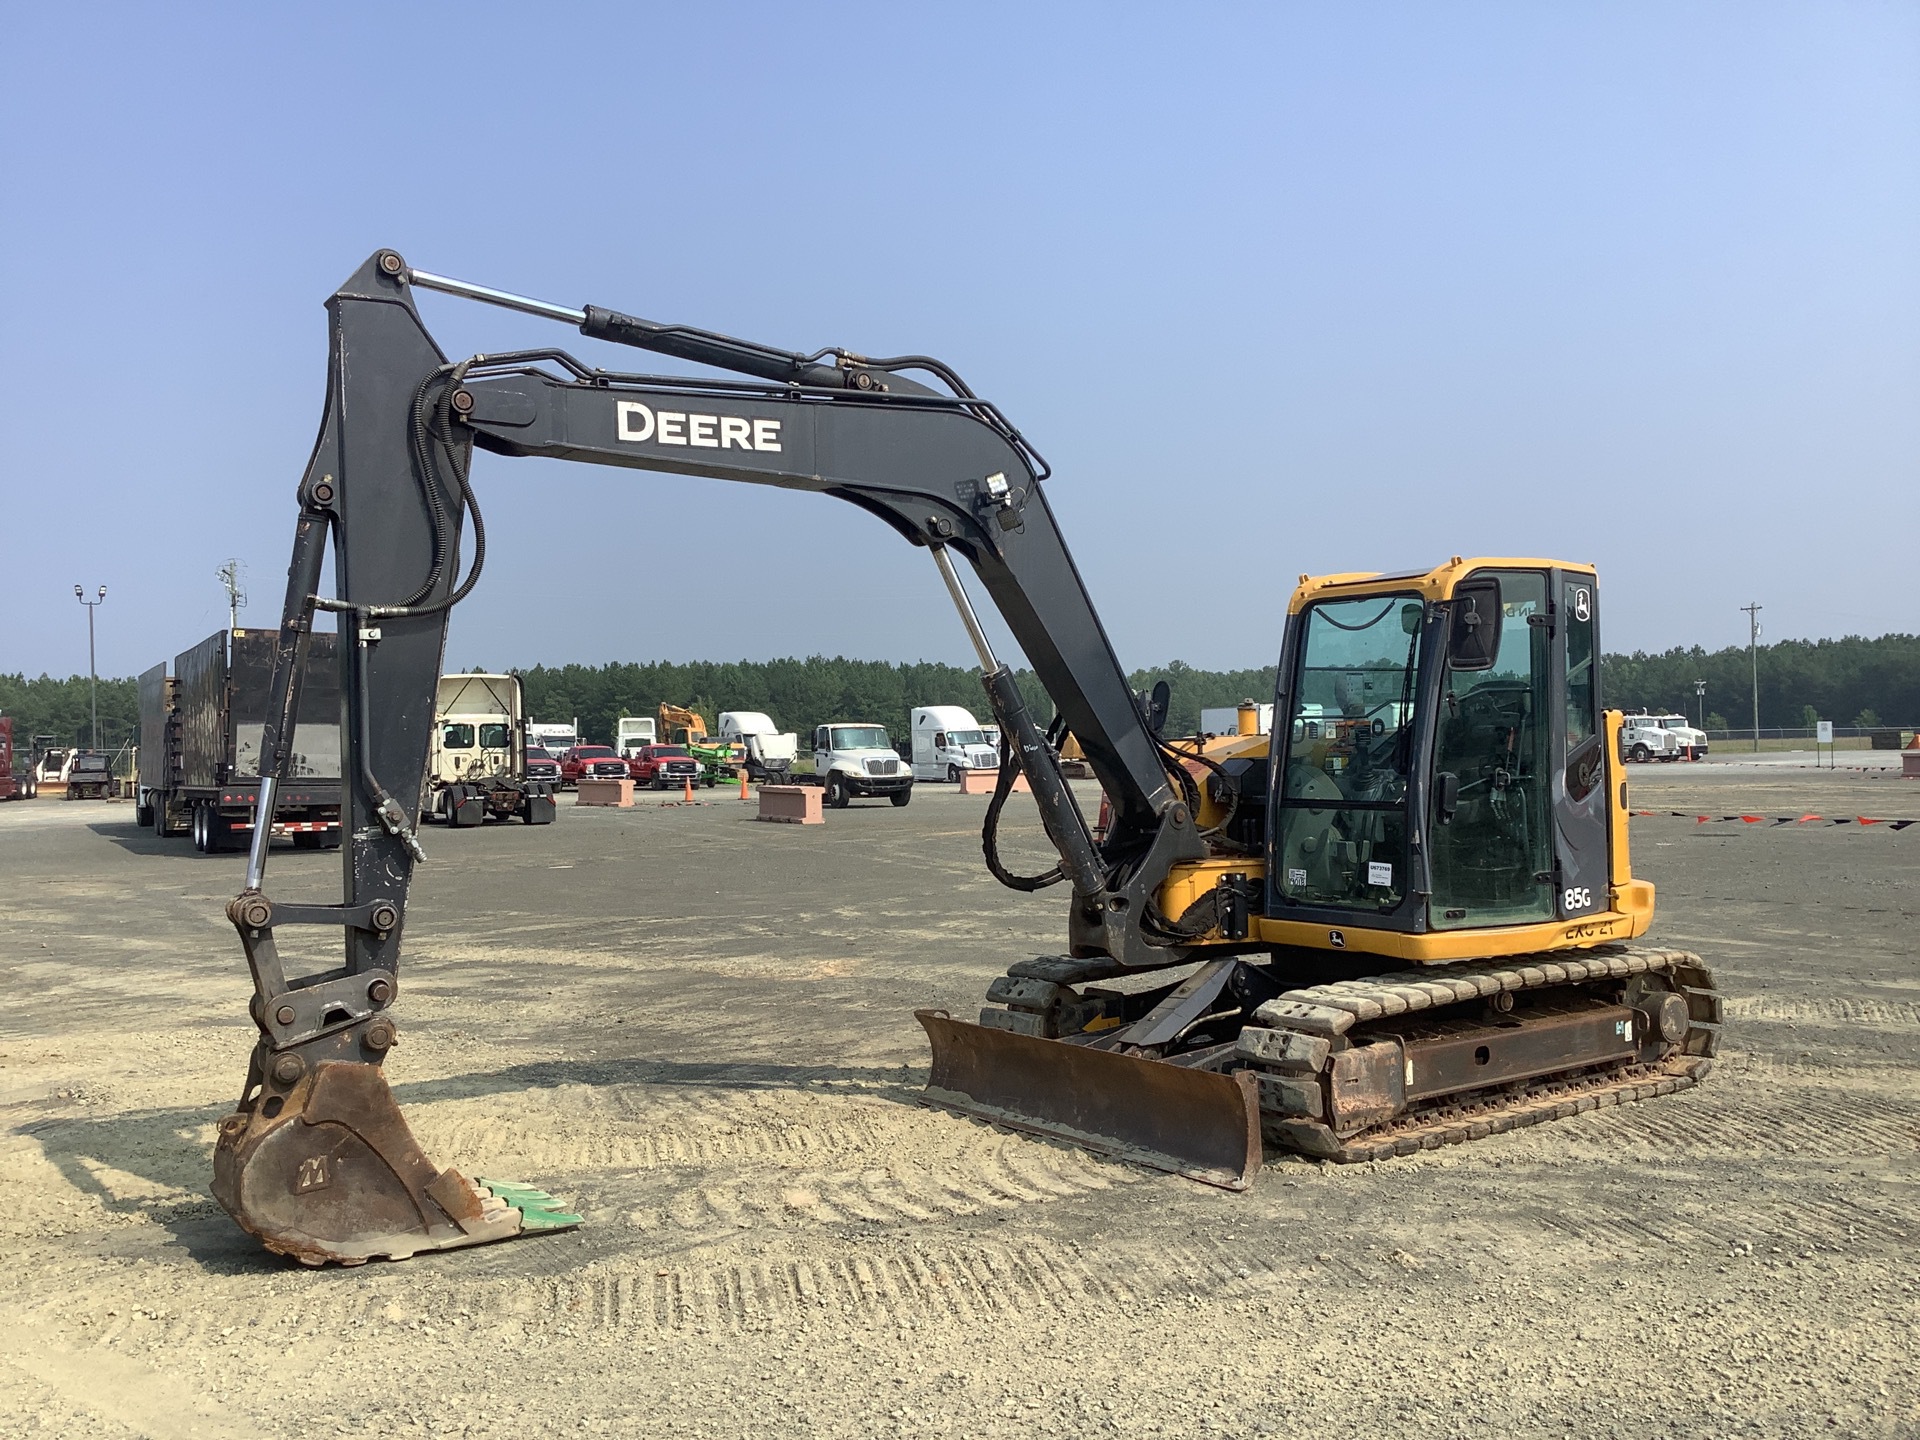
column 1401, row 920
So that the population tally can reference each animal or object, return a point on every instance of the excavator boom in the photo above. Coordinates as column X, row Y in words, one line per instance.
column 1176, row 1030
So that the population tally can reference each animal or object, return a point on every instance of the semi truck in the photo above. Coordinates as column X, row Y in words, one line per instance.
column 477, row 766
column 200, row 737
column 553, row 737
column 15, row 784
column 632, row 732
column 945, row 742
column 768, row 753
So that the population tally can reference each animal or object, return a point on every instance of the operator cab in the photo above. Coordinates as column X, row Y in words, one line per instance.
column 1442, row 760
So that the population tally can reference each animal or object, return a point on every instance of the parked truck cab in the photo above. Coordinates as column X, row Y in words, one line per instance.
column 477, row 769
column 767, row 753
column 859, row 760
column 947, row 742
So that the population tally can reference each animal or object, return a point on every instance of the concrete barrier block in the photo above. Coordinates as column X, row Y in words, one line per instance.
column 1910, row 764
column 981, row 782
column 606, row 792
column 792, row 804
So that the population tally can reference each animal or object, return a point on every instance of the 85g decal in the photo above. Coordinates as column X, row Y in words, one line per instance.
column 1576, row 898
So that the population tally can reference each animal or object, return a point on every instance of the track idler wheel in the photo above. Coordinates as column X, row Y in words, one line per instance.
column 321, row 1166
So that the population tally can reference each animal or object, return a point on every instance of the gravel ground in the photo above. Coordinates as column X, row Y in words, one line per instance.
column 698, row 1031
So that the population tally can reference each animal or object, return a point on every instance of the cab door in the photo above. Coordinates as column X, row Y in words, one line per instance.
column 1579, row 780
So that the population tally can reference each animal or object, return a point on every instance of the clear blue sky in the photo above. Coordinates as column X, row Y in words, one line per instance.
column 1279, row 288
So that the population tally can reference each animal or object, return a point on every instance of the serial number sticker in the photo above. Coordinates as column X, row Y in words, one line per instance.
column 1379, row 872
column 1297, row 879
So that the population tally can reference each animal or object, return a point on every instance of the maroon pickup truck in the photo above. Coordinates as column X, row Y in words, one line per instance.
column 664, row 765
column 591, row 762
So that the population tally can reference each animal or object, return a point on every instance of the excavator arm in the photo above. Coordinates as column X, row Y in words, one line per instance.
column 316, row 1159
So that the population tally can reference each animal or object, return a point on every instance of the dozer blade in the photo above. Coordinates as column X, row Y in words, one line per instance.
column 1196, row 1123
column 334, row 1174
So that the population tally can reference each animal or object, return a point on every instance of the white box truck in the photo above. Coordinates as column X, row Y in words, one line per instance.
column 630, row 732
column 769, row 752
column 947, row 741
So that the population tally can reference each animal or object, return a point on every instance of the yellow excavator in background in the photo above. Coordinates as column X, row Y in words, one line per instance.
column 680, row 726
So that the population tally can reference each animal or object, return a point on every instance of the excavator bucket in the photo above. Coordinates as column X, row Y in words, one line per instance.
column 1196, row 1123
column 334, row 1174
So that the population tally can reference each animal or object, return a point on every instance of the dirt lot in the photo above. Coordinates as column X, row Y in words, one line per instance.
column 697, row 1029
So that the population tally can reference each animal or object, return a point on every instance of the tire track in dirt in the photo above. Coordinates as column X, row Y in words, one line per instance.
column 1824, row 1009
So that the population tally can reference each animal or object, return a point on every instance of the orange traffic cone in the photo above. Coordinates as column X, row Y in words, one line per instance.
column 743, row 784
column 687, row 798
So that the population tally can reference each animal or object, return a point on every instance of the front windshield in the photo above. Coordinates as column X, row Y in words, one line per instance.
column 1673, row 722
column 966, row 737
column 594, row 752
column 1343, row 822
column 859, row 737
column 669, row 752
column 534, row 752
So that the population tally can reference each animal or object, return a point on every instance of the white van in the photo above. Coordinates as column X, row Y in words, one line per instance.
column 948, row 741
column 769, row 752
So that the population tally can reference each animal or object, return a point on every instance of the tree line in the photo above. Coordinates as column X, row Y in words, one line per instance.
column 1849, row 681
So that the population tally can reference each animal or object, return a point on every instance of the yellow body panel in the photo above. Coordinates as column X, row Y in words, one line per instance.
column 1434, row 584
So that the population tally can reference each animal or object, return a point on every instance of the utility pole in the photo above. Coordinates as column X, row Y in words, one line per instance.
column 1753, row 652
column 236, row 597
column 93, row 673
column 1700, row 694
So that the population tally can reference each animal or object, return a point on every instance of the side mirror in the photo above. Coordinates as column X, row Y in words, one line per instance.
column 1473, row 643
column 1446, row 797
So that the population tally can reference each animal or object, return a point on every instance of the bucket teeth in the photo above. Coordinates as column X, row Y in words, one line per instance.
column 538, row 1210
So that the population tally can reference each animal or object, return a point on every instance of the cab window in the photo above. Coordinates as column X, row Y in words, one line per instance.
column 456, row 737
column 1492, row 860
column 1343, row 821
column 493, row 737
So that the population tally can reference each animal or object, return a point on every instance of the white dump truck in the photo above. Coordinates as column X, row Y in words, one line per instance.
column 1645, row 736
column 477, row 768
column 947, row 742
column 853, row 760
column 769, row 752
column 631, row 732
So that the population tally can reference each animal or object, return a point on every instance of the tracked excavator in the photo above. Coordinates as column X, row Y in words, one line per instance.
column 1402, row 919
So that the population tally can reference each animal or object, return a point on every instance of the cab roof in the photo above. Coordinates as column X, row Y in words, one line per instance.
column 1434, row 584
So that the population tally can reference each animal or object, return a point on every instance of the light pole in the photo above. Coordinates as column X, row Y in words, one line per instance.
column 93, row 675
column 1700, row 694
column 1753, row 650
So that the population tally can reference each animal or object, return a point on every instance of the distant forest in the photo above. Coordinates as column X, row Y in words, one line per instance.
column 1850, row 681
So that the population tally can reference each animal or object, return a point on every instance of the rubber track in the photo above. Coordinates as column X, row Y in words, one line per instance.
column 1332, row 1010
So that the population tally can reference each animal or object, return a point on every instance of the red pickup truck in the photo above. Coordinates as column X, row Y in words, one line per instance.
column 591, row 762
column 663, row 765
